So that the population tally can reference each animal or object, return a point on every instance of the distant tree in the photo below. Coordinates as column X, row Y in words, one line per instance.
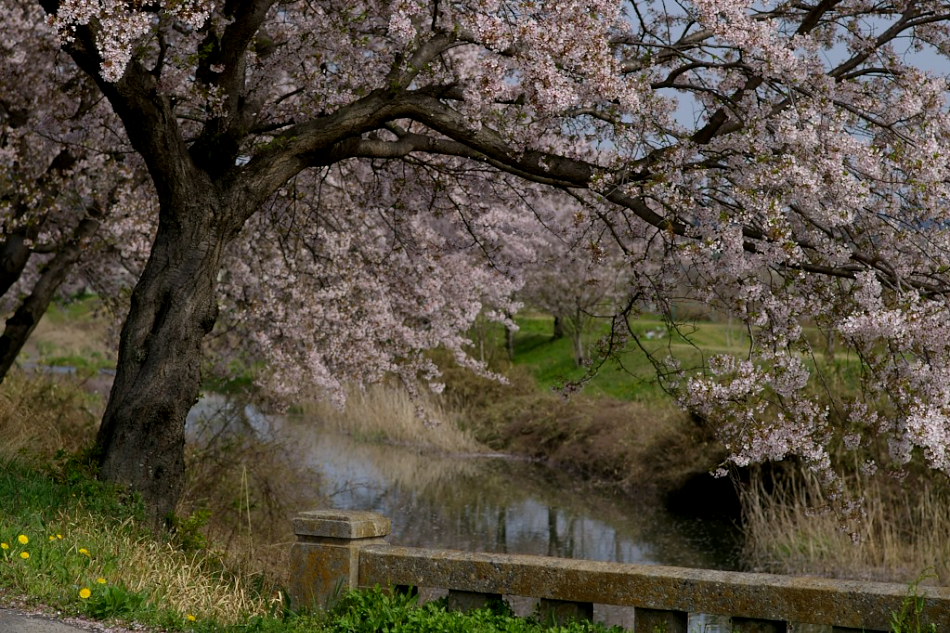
column 579, row 277
column 809, row 182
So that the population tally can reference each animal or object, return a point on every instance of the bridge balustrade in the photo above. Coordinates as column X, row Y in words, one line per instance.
column 340, row 550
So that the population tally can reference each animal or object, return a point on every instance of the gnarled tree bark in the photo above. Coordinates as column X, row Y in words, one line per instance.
column 140, row 442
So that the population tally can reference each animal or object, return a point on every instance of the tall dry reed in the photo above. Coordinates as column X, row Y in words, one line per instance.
column 197, row 582
column 900, row 533
column 387, row 412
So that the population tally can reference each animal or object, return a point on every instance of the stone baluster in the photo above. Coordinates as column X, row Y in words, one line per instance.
column 658, row 620
column 563, row 611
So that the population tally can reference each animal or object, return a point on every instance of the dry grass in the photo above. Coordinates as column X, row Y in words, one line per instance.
column 187, row 582
column 240, row 493
column 901, row 533
column 40, row 415
column 387, row 412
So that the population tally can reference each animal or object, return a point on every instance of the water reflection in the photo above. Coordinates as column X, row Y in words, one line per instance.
column 499, row 505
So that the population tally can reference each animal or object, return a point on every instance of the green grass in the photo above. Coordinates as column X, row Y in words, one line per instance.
column 374, row 610
column 630, row 376
column 73, row 333
column 73, row 544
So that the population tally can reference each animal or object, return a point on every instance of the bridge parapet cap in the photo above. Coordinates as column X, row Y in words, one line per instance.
column 341, row 524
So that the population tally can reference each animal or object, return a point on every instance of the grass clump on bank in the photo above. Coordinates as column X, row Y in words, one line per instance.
column 387, row 412
column 76, row 545
column 79, row 546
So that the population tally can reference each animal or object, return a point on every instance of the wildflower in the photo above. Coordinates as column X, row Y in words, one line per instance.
column 4, row 546
column 190, row 617
column 59, row 536
column 23, row 538
column 101, row 580
column 84, row 551
column 51, row 538
column 24, row 555
column 84, row 593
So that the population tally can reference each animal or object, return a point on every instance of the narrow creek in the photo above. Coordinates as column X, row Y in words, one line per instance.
column 494, row 504
column 485, row 503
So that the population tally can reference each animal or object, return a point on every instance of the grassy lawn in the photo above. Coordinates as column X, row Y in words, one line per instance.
column 630, row 376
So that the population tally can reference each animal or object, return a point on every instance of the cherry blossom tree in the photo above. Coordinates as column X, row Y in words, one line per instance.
column 788, row 157
column 64, row 169
column 369, row 265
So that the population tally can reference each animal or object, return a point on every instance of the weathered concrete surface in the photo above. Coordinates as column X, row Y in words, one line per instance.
column 807, row 600
column 14, row 622
column 324, row 560
column 341, row 524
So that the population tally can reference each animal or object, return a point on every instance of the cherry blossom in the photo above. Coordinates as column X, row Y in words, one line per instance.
column 344, row 172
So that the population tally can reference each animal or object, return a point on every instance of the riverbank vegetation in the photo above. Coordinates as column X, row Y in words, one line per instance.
column 619, row 430
column 73, row 546
column 78, row 548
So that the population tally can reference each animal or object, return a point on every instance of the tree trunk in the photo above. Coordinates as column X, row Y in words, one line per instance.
column 14, row 253
column 21, row 324
column 577, row 338
column 173, row 306
column 580, row 354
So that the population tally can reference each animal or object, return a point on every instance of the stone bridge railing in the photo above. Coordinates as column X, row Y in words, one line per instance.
column 340, row 550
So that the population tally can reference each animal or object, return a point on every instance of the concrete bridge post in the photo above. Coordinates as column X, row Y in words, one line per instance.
column 325, row 558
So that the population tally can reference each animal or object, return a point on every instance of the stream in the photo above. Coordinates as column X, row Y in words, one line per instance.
column 484, row 503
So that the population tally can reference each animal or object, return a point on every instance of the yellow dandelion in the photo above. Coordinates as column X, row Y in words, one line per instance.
column 84, row 593
column 23, row 538
column 24, row 555
column 101, row 580
column 190, row 618
column 84, row 551
column 4, row 546
column 59, row 536
column 51, row 538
